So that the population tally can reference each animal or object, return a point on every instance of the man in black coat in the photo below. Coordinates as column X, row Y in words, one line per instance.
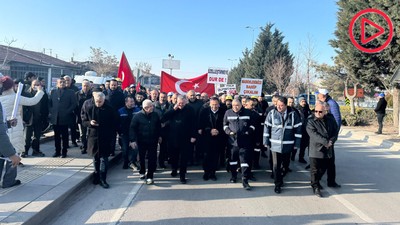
column 145, row 134
column 117, row 100
column 160, row 107
column 62, row 104
column 73, row 127
column 304, row 110
column 32, row 117
column 211, row 124
column 101, row 120
column 323, row 134
column 380, row 111
column 81, row 97
column 196, row 151
column 182, row 135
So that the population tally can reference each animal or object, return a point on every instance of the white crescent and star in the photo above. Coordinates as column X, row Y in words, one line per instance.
column 123, row 76
column 178, row 86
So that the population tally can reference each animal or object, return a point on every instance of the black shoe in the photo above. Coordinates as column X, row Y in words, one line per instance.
column 246, row 184
column 142, row 176
column 174, row 173
column 38, row 153
column 233, row 180
column 302, row 161
column 183, row 180
column 378, row 132
column 320, row 187
column 206, row 176
column 104, row 184
column 317, row 192
column 75, row 144
column 16, row 183
column 21, row 164
column 56, row 155
column 278, row 190
column 24, row 154
column 213, row 177
column 63, row 155
column 335, row 185
column 84, row 151
column 307, row 167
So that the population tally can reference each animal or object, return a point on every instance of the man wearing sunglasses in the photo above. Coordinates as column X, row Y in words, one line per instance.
column 322, row 130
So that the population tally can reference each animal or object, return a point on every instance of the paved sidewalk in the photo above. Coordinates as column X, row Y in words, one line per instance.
column 46, row 183
column 390, row 141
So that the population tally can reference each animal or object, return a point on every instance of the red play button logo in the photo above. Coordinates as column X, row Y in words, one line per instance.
column 375, row 31
column 365, row 21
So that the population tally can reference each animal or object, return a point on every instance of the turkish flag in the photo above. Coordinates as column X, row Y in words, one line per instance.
column 125, row 72
column 181, row 86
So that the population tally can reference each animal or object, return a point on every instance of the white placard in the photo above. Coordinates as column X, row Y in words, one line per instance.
column 16, row 101
column 171, row 64
column 250, row 86
column 217, row 75
column 229, row 88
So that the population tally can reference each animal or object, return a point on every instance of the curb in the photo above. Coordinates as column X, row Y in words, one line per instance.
column 76, row 182
column 371, row 138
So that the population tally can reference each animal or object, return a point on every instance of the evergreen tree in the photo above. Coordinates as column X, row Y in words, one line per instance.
column 267, row 49
column 367, row 68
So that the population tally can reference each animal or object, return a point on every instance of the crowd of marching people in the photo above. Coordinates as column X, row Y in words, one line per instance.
column 233, row 132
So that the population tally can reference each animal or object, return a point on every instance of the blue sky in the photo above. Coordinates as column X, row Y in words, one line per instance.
column 201, row 34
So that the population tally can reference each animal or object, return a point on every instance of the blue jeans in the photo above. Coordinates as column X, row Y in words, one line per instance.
column 128, row 154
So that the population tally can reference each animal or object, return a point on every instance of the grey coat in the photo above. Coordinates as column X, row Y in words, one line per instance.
column 6, row 149
column 62, row 107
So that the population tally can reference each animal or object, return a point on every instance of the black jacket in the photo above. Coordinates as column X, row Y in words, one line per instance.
column 181, row 125
column 81, row 97
column 35, row 113
column 209, row 120
column 99, row 137
column 381, row 106
column 145, row 128
column 242, row 125
column 116, row 99
column 321, row 131
column 62, row 106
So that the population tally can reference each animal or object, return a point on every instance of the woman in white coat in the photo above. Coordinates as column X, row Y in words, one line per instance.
column 7, row 99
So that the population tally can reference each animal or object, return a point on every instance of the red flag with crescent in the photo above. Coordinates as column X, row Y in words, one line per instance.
column 181, row 86
column 125, row 72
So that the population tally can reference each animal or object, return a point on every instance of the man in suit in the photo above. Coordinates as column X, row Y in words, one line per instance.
column 62, row 103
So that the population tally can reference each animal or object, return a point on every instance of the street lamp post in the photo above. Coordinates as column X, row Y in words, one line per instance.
column 252, row 28
column 170, row 62
column 232, row 60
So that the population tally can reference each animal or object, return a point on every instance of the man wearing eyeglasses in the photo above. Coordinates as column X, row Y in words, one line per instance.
column 282, row 134
column 322, row 130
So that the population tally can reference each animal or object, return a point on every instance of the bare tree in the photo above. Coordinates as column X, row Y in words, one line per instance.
column 279, row 74
column 103, row 63
column 8, row 42
column 309, row 57
column 144, row 66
